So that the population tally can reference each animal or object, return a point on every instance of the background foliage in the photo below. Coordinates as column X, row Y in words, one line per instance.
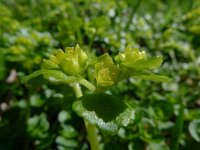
column 40, row 117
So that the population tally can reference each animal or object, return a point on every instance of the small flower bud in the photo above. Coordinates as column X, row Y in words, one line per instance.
column 70, row 66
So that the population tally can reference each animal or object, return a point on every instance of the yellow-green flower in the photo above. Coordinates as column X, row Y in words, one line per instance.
column 130, row 55
column 106, row 72
column 72, row 61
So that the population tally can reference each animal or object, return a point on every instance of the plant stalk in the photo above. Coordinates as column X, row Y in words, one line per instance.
column 178, row 127
column 133, row 11
column 194, row 60
column 91, row 42
column 91, row 129
column 87, row 84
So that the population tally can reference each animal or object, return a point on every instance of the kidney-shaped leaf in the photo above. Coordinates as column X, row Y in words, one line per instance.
column 107, row 112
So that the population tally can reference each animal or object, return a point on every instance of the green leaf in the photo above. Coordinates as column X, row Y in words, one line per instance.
column 192, row 114
column 100, row 22
column 54, row 76
column 35, row 74
column 194, row 129
column 36, row 100
column 148, row 131
column 38, row 126
column 158, row 145
column 68, row 131
column 153, row 77
column 161, row 109
column 151, row 63
column 105, row 111
column 64, row 116
column 75, row 23
column 36, row 78
column 60, row 140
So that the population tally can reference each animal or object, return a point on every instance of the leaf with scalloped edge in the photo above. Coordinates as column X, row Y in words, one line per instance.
column 107, row 112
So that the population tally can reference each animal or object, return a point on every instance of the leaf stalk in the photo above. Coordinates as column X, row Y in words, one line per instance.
column 91, row 129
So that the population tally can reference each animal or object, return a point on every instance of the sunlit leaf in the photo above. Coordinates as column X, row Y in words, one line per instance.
column 105, row 111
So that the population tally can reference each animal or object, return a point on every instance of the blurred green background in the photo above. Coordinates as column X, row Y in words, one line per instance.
column 40, row 117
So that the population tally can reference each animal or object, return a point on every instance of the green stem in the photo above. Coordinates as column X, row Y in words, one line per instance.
column 27, row 112
column 91, row 129
column 174, row 60
column 133, row 11
column 193, row 58
column 79, row 36
column 77, row 32
column 77, row 90
column 31, row 10
column 92, row 136
column 178, row 127
column 92, row 39
column 88, row 84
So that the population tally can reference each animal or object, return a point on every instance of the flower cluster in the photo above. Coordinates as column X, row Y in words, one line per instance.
column 70, row 66
column 72, row 61
column 130, row 55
